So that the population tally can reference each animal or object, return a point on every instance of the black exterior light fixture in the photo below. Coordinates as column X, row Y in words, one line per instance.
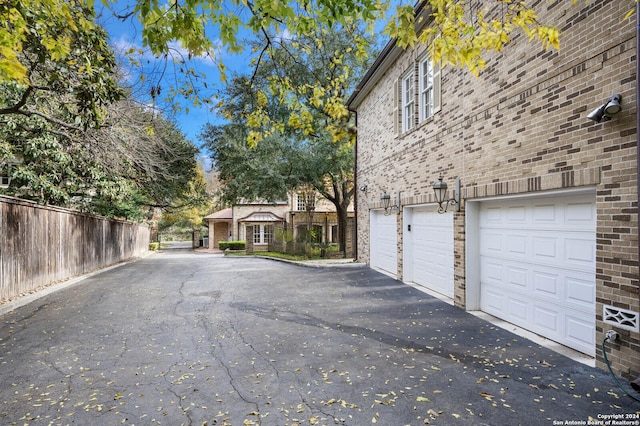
column 607, row 110
column 386, row 200
column 440, row 191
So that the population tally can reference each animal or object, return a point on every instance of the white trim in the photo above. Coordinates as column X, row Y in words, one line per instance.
column 422, row 116
column 408, row 102
column 548, row 193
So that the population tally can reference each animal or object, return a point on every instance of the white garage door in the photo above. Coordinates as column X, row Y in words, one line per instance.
column 384, row 242
column 429, row 250
column 537, row 266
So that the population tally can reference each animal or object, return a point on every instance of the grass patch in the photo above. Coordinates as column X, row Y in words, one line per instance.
column 280, row 255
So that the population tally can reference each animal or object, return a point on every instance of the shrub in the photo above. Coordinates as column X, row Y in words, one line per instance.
column 231, row 245
column 154, row 246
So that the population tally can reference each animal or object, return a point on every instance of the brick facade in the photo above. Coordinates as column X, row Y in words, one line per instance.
column 519, row 128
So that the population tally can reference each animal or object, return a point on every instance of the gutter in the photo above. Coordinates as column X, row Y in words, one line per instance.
column 638, row 123
column 387, row 57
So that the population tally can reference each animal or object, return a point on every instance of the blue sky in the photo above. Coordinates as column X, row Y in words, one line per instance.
column 126, row 35
column 190, row 118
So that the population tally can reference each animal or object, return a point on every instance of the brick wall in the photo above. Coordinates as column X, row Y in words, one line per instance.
column 521, row 127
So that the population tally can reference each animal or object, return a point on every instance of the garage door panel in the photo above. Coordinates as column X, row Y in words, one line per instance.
column 545, row 247
column 430, row 246
column 516, row 215
column 579, row 251
column 384, row 248
column 580, row 214
column 491, row 272
column 540, row 255
column 572, row 289
column 516, row 244
column 580, row 332
column 547, row 319
column 517, row 277
column 517, row 309
column 546, row 284
column 580, row 291
column 544, row 214
column 493, row 300
column 575, row 251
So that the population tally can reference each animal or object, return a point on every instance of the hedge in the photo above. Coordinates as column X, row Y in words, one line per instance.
column 231, row 245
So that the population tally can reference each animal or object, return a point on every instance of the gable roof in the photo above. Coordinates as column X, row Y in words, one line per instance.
column 222, row 214
column 262, row 217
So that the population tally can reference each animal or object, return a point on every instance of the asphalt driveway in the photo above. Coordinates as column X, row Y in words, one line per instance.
column 199, row 339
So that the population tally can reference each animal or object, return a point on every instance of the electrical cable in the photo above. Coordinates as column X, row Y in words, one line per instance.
column 606, row 361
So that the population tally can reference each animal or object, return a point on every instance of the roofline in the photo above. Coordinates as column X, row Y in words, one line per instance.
column 244, row 219
column 388, row 56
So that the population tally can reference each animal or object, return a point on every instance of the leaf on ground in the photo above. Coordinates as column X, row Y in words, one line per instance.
column 422, row 399
column 486, row 395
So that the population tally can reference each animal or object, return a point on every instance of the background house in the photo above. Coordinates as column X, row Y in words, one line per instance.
column 303, row 213
column 547, row 234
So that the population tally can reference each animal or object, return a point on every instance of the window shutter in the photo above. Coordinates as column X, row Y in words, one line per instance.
column 396, row 109
column 437, row 87
column 416, row 94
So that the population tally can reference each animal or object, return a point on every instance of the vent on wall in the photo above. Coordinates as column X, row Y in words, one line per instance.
column 622, row 318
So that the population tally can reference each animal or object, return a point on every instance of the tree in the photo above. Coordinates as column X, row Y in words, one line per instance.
column 51, row 49
column 134, row 162
column 284, row 132
column 458, row 33
column 267, row 171
column 70, row 134
column 190, row 208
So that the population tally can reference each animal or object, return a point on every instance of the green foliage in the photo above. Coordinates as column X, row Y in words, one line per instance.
column 278, row 255
column 53, row 50
column 289, row 107
column 458, row 33
column 264, row 172
column 461, row 35
column 154, row 246
column 283, row 235
column 232, row 245
column 137, row 163
column 58, row 93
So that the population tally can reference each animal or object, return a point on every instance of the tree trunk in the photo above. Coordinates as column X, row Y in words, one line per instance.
column 343, row 217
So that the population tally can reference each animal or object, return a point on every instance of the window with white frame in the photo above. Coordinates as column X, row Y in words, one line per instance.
column 424, row 100
column 408, row 102
column 426, row 88
column 267, row 234
column 262, row 234
column 305, row 201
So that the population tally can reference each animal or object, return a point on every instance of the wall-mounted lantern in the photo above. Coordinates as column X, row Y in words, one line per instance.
column 386, row 200
column 440, row 192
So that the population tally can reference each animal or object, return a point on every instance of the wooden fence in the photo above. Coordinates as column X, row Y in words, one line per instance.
column 40, row 245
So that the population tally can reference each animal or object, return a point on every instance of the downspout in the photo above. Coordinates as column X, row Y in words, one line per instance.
column 356, row 191
column 638, row 121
